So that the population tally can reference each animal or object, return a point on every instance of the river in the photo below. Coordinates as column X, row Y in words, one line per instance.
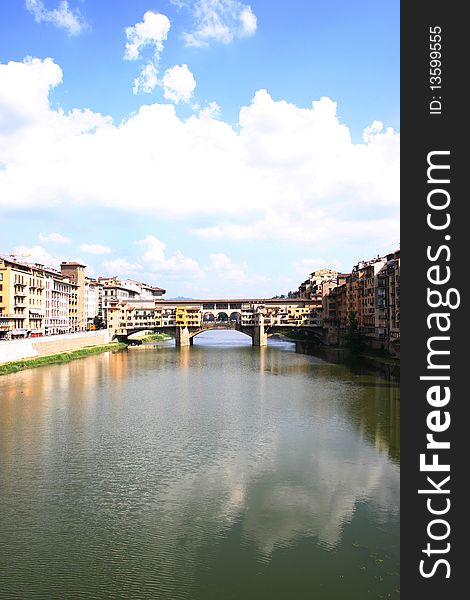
column 215, row 472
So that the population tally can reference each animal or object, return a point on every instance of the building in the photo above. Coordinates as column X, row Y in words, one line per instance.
column 370, row 295
column 113, row 289
column 93, row 294
column 389, row 299
column 113, row 293
column 335, row 313
column 153, row 314
column 75, row 272
column 57, row 300
column 38, row 300
column 22, row 299
column 187, row 316
column 368, row 291
column 143, row 290
column 312, row 288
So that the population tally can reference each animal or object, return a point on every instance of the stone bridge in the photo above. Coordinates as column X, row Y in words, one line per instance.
column 184, row 319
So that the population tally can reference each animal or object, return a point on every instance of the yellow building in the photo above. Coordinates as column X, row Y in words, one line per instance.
column 73, row 306
column 75, row 273
column 22, row 304
column 188, row 317
column 299, row 315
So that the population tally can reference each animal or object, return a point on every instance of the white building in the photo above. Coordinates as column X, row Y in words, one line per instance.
column 92, row 300
column 57, row 291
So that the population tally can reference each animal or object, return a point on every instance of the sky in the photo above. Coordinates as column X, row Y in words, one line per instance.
column 214, row 148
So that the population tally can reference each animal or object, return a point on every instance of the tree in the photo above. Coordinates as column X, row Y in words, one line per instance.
column 98, row 322
column 353, row 336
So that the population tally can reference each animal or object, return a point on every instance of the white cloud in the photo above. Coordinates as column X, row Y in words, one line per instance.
column 151, row 31
column 24, row 90
column 248, row 20
column 121, row 266
column 38, row 254
column 178, row 83
column 147, row 79
column 63, row 16
column 305, row 266
column 286, row 173
column 155, row 260
column 95, row 249
column 35, row 254
column 57, row 238
column 221, row 21
column 372, row 130
column 223, row 266
column 211, row 111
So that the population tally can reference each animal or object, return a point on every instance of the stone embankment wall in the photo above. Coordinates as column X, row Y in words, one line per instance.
column 54, row 344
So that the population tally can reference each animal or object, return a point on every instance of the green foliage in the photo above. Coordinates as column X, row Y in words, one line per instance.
column 57, row 359
column 154, row 337
column 353, row 336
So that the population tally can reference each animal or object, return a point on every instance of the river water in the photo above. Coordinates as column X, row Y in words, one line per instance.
column 215, row 472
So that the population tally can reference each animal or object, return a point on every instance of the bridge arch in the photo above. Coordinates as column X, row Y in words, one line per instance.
column 235, row 317
column 222, row 317
column 220, row 327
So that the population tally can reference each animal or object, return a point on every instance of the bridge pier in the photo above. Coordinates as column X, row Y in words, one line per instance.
column 182, row 337
column 260, row 337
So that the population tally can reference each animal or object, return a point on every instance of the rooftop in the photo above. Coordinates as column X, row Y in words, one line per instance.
column 71, row 264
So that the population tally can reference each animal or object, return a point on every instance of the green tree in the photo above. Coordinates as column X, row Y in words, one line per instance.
column 353, row 336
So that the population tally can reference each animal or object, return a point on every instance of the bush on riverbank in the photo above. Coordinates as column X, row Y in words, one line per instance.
column 155, row 337
column 57, row 359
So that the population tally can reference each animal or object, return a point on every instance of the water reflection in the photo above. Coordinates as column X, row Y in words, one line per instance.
column 166, row 460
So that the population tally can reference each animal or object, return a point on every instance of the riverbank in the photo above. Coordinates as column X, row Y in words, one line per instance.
column 155, row 337
column 57, row 359
column 369, row 360
column 366, row 352
column 27, row 348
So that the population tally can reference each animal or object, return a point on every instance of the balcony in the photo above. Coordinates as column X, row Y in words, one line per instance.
column 35, row 315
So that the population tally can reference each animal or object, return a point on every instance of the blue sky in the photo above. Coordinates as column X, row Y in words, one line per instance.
column 176, row 142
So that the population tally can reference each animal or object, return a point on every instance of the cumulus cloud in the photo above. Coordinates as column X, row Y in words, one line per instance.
column 222, row 265
column 57, row 238
column 38, row 254
column 151, row 33
column 371, row 131
column 178, row 83
column 121, row 266
column 212, row 110
column 284, row 173
column 305, row 266
column 35, row 254
column 95, row 249
column 147, row 79
column 24, row 91
column 63, row 16
column 220, row 21
column 155, row 260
